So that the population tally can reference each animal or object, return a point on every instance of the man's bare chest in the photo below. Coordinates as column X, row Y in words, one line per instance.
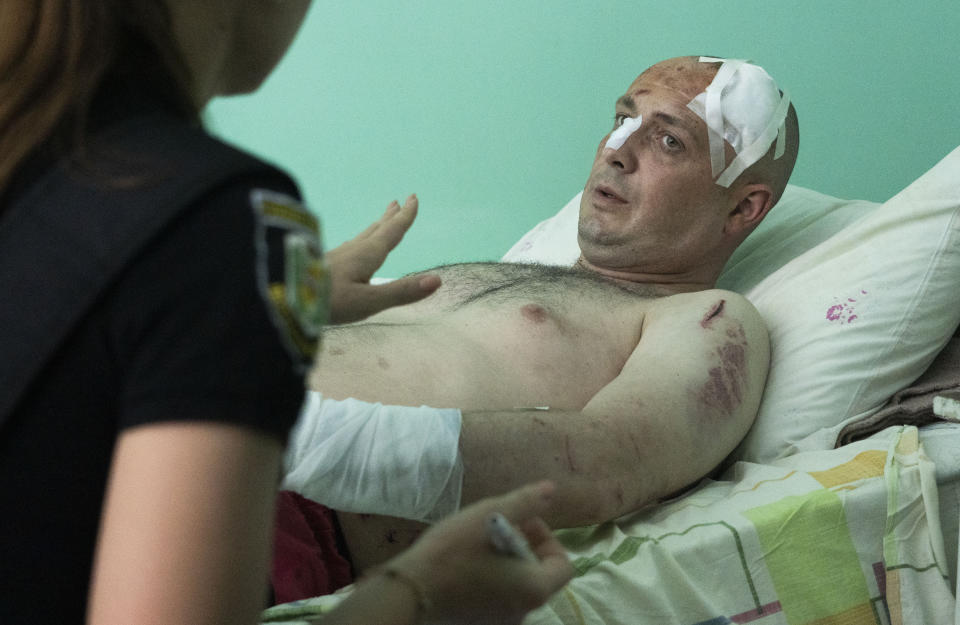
column 494, row 284
column 494, row 336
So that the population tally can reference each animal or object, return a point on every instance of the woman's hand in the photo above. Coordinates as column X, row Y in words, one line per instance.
column 353, row 263
column 464, row 579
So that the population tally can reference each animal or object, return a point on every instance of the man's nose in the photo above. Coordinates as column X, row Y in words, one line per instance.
column 617, row 150
column 623, row 158
column 627, row 127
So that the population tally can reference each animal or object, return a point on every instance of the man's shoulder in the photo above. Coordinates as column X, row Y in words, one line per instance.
column 709, row 304
column 710, row 330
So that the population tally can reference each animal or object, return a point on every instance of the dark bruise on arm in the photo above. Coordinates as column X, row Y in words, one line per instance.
column 727, row 372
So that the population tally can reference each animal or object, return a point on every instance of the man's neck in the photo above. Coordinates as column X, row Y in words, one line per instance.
column 659, row 283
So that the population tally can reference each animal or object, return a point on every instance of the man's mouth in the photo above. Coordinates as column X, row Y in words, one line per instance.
column 606, row 193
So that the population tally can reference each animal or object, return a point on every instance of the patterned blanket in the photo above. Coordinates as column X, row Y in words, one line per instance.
column 848, row 536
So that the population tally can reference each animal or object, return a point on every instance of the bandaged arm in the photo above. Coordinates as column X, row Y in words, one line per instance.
column 356, row 456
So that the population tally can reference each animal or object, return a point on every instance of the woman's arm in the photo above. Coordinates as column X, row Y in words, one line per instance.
column 185, row 535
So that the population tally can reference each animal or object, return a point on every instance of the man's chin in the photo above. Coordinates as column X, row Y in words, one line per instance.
column 597, row 240
column 600, row 258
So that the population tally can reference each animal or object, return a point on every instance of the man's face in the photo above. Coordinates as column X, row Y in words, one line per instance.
column 652, row 205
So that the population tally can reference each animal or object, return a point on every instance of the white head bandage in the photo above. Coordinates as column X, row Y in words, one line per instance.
column 619, row 136
column 743, row 106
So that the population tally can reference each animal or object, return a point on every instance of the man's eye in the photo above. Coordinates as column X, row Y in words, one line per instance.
column 618, row 120
column 670, row 142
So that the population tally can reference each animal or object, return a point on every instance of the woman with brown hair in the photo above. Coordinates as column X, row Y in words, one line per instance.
column 164, row 293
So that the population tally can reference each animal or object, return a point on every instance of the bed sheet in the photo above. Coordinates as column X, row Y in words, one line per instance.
column 850, row 536
column 942, row 444
column 847, row 536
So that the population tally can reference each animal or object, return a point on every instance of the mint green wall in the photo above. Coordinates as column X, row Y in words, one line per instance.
column 491, row 110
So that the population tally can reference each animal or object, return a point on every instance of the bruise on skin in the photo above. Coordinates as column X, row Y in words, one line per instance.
column 715, row 311
column 636, row 447
column 406, row 537
column 737, row 333
column 618, row 493
column 684, row 75
column 573, row 467
column 724, row 389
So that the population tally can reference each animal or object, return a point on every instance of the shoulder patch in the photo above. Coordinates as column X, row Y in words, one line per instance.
column 291, row 274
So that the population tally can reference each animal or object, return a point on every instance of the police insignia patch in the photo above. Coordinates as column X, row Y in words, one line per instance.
column 291, row 273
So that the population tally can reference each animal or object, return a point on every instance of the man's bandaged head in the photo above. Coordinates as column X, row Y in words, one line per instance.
column 743, row 106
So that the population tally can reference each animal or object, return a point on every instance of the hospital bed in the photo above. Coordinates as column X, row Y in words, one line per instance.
column 841, row 505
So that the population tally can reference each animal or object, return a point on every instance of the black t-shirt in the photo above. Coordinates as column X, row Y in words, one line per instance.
column 185, row 333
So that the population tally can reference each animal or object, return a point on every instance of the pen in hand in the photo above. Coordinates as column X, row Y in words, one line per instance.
column 506, row 539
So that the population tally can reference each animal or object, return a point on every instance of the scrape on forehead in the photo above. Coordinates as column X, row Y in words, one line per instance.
column 684, row 74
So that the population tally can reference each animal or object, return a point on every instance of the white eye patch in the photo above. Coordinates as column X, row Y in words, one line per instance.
column 743, row 106
column 619, row 136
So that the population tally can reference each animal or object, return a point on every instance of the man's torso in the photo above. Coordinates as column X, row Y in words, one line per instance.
column 494, row 336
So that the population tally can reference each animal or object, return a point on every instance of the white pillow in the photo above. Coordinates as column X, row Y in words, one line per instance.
column 860, row 316
column 858, row 298
column 553, row 241
column 801, row 220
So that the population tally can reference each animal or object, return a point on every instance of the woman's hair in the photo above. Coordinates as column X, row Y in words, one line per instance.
column 55, row 55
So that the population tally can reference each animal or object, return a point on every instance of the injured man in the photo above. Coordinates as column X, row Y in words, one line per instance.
column 624, row 379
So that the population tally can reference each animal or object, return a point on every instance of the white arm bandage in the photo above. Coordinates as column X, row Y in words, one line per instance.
column 356, row 456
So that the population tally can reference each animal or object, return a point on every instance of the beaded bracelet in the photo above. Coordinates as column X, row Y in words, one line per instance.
column 420, row 594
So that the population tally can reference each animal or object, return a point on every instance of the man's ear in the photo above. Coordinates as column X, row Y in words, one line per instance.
column 756, row 200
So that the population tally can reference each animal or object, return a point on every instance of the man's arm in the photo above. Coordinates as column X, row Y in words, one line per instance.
column 684, row 399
